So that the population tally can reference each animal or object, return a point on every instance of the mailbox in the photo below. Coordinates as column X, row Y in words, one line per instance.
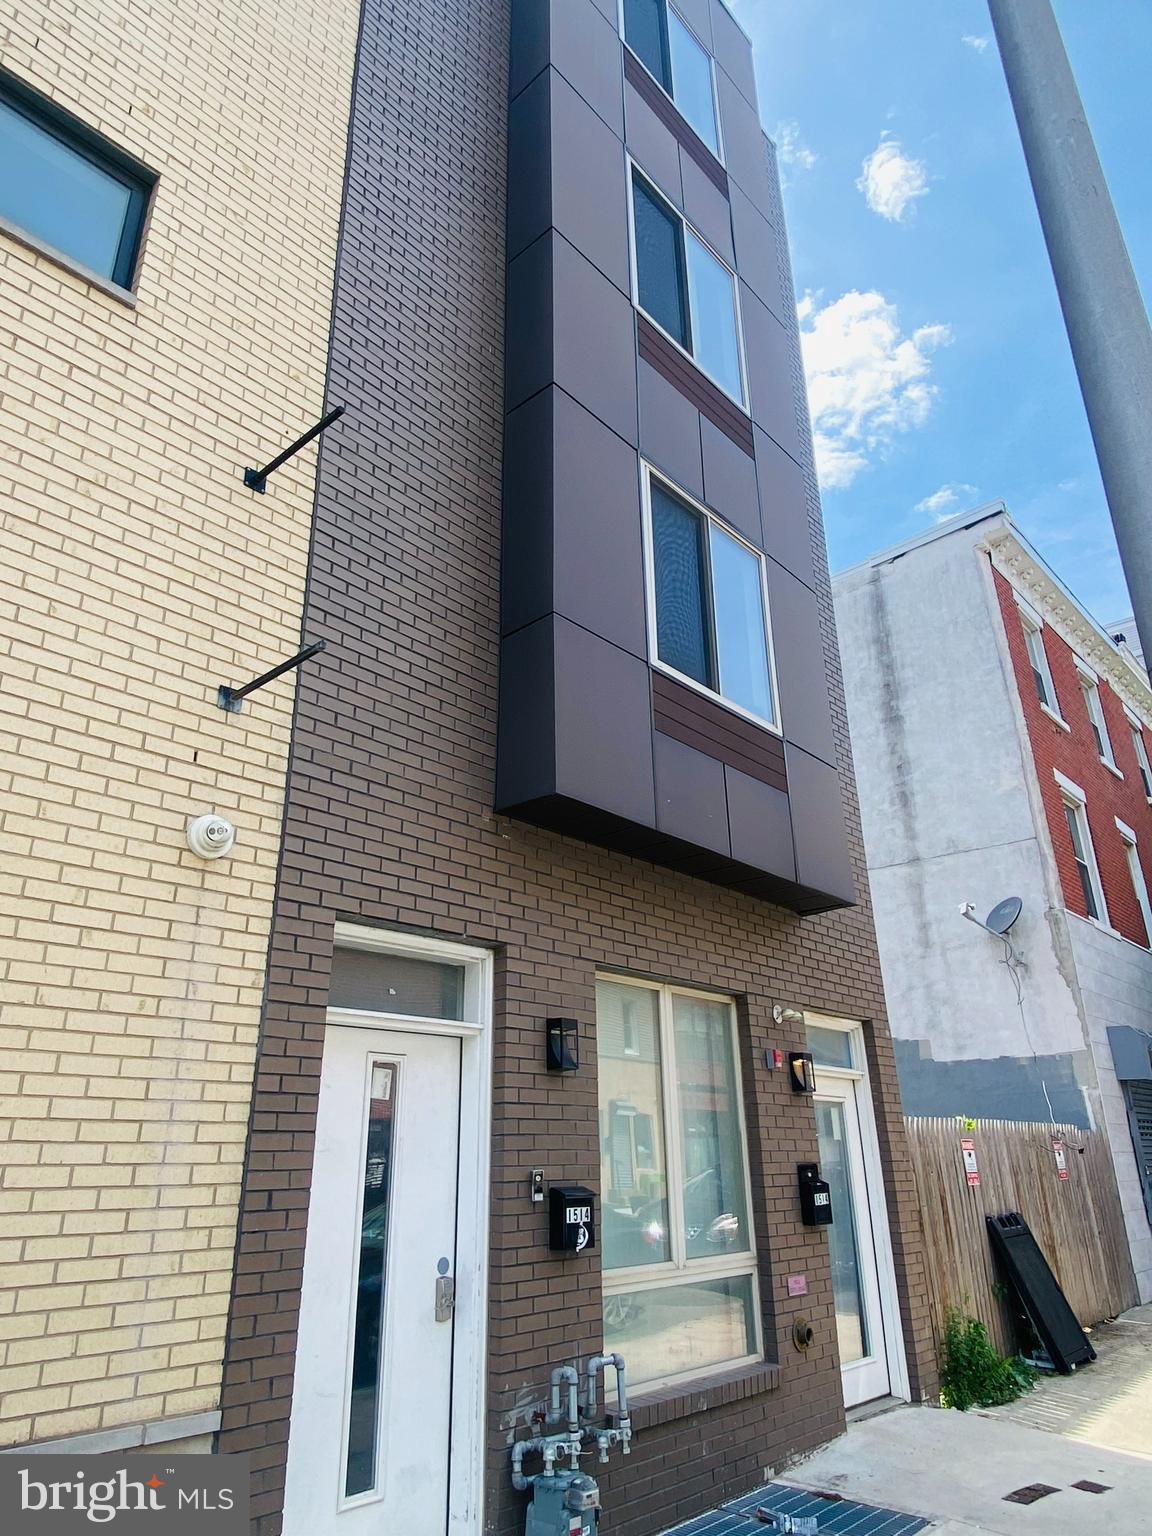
column 571, row 1218
column 815, row 1196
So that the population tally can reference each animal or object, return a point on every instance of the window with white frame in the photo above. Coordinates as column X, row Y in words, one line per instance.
column 1038, row 659
column 684, row 287
column 1076, row 815
column 672, row 54
column 1090, row 688
column 679, row 1262
column 1136, row 873
column 1141, row 749
column 709, row 602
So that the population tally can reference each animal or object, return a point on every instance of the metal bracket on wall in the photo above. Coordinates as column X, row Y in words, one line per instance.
column 230, row 698
column 257, row 479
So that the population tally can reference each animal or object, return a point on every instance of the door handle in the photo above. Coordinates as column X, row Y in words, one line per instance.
column 445, row 1298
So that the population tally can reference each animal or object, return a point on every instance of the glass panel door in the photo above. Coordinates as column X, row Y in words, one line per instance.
column 851, row 1239
column 372, row 1274
column 843, row 1241
column 369, row 1441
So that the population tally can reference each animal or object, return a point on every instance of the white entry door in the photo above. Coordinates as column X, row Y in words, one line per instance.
column 852, row 1244
column 369, row 1444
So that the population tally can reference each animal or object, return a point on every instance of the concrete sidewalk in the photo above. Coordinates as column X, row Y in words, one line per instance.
column 1108, row 1403
column 955, row 1469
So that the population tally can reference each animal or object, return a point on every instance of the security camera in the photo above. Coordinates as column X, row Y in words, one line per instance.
column 211, row 837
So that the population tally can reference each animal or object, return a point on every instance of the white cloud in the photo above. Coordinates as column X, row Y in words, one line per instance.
column 867, row 381
column 791, row 148
column 979, row 43
column 948, row 499
column 891, row 181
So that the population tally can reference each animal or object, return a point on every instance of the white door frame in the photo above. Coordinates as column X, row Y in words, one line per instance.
column 875, row 1184
column 470, row 1333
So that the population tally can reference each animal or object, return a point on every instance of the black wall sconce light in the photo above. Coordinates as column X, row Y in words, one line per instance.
column 562, row 1044
column 801, row 1072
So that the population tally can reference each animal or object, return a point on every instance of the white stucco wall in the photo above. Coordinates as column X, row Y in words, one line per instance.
column 947, row 814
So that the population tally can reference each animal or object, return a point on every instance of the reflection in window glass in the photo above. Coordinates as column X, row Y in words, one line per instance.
column 681, row 1329
column 741, row 624
column 713, row 306
column 378, row 981
column 644, row 22
column 843, row 1242
column 830, row 1047
column 692, row 80
column 60, row 195
column 675, row 1193
column 682, row 625
column 715, row 1197
column 710, row 610
column 634, row 1222
column 367, row 1346
column 660, row 264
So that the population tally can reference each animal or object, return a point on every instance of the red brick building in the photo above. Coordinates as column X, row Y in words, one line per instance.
column 1085, row 737
column 1003, row 741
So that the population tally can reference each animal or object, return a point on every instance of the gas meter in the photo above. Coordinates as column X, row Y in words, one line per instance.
column 563, row 1504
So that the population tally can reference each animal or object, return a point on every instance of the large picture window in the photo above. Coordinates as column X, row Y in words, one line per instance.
column 710, row 609
column 679, row 1261
column 67, row 188
column 684, row 287
column 673, row 56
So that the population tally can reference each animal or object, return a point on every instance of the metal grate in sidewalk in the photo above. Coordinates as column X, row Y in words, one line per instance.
column 834, row 1517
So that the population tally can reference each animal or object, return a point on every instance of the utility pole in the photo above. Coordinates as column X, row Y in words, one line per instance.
column 1103, row 310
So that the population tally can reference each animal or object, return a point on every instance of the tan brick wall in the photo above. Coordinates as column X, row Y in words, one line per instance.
column 137, row 573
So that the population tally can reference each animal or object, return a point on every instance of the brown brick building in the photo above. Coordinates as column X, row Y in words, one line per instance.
column 576, row 750
column 398, row 759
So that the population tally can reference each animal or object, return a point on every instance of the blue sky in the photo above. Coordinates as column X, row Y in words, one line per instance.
column 938, row 362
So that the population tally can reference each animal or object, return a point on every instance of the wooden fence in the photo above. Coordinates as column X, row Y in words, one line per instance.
column 1076, row 1221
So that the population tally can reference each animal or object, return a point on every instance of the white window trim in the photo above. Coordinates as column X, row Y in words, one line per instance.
column 634, row 168
column 1074, row 796
column 477, row 964
column 1090, row 688
column 648, row 473
column 718, row 152
column 1140, row 747
column 679, row 1269
column 1139, row 884
column 1032, row 623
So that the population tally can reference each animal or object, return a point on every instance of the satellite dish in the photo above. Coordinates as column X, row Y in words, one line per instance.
column 1004, row 914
